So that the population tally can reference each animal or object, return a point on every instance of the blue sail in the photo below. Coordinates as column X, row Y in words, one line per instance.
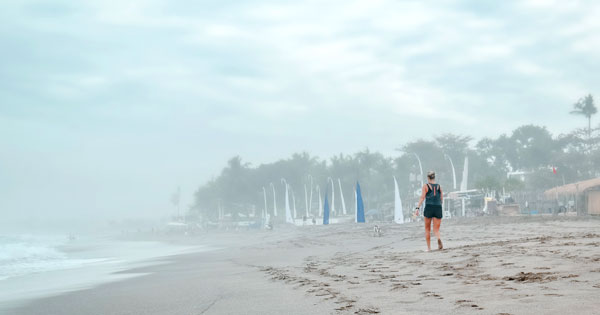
column 326, row 211
column 360, row 207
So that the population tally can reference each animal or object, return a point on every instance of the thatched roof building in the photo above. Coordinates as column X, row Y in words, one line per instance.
column 586, row 195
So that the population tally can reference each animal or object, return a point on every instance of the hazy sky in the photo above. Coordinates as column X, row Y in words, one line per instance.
column 107, row 106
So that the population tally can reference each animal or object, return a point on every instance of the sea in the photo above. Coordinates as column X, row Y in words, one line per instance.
column 25, row 254
column 39, row 265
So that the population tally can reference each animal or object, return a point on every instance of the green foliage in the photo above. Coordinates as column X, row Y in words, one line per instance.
column 488, row 183
column 513, row 184
column 532, row 146
column 542, row 179
column 529, row 148
column 585, row 107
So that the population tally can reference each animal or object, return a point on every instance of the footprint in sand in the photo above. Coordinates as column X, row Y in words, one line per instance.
column 432, row 294
column 344, row 308
column 367, row 311
column 528, row 277
column 398, row 286
column 468, row 303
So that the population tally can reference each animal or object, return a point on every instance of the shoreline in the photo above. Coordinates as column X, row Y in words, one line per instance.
column 94, row 263
column 489, row 266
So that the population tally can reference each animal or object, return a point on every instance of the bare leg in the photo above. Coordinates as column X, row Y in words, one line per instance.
column 436, row 230
column 428, row 232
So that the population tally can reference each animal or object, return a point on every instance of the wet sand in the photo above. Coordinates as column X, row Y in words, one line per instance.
column 509, row 265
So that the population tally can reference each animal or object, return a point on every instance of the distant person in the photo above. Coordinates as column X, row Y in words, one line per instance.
column 432, row 192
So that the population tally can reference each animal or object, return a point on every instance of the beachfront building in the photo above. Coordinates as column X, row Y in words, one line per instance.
column 582, row 197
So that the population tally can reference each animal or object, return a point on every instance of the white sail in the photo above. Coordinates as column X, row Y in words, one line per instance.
column 294, row 203
column 320, row 204
column 265, row 210
column 420, row 168
column 332, row 196
column 306, row 200
column 398, row 214
column 274, row 200
column 288, row 212
column 465, row 175
column 342, row 198
column 453, row 171
column 310, row 200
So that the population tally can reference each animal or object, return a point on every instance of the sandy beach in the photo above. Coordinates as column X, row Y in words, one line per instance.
column 505, row 265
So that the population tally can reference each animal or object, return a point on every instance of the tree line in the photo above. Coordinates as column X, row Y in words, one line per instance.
column 548, row 160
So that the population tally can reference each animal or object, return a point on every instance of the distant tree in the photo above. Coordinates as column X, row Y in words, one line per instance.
column 575, row 155
column 456, row 147
column 233, row 184
column 488, row 183
column 542, row 179
column 533, row 147
column 431, row 155
column 585, row 107
column 374, row 172
column 498, row 153
column 577, row 149
column 513, row 184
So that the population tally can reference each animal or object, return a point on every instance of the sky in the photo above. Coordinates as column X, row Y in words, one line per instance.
column 106, row 107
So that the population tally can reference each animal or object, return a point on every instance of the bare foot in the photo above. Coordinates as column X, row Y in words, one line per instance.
column 440, row 246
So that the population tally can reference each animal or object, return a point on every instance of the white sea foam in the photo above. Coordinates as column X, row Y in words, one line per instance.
column 27, row 254
column 33, row 266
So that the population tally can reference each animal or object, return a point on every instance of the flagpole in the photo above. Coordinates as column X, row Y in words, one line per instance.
column 453, row 170
column 421, row 169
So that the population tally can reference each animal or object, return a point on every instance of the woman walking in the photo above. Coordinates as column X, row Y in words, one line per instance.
column 432, row 193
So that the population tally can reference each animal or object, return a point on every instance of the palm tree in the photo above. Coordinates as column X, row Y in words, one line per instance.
column 585, row 107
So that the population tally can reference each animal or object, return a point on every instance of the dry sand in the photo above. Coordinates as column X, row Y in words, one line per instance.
column 510, row 265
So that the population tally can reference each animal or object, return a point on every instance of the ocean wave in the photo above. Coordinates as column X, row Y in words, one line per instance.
column 26, row 254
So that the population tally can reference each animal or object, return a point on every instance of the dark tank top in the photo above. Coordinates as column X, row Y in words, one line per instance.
column 433, row 195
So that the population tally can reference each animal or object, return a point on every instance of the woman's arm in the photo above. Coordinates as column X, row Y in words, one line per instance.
column 423, row 194
column 441, row 195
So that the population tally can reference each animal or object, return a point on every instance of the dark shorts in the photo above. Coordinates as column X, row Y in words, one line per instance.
column 432, row 211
